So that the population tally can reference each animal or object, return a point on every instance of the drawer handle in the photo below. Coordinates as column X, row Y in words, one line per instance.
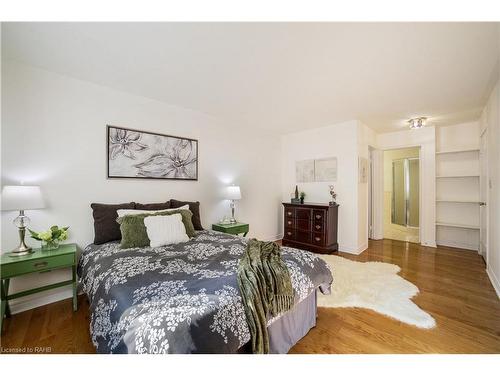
column 289, row 223
column 318, row 226
column 317, row 239
column 40, row 264
column 289, row 213
column 289, row 233
column 318, row 216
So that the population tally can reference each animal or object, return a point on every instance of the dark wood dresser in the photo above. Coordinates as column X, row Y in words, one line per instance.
column 311, row 226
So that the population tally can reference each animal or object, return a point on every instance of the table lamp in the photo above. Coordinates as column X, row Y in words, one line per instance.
column 20, row 198
column 233, row 193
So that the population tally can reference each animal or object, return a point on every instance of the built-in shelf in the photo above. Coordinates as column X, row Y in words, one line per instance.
column 459, row 176
column 464, row 226
column 457, row 151
column 456, row 201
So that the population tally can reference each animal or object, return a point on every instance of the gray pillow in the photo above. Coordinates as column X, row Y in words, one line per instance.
column 106, row 228
column 194, row 207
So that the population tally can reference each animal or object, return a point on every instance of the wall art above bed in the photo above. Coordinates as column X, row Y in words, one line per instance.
column 140, row 154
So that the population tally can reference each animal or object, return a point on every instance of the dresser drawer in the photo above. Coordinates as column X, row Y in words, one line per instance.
column 318, row 239
column 289, row 222
column 319, row 215
column 304, row 237
column 303, row 213
column 289, row 212
column 289, row 234
column 37, row 265
column 318, row 226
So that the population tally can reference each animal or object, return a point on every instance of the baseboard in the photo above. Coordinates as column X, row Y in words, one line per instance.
column 429, row 244
column 275, row 238
column 459, row 245
column 362, row 248
column 17, row 306
column 494, row 281
column 352, row 249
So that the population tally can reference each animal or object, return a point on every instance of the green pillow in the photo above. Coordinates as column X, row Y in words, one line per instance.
column 134, row 232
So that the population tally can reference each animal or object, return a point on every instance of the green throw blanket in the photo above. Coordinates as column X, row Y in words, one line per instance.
column 265, row 287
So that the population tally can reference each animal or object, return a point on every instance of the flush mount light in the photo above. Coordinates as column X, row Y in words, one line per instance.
column 417, row 123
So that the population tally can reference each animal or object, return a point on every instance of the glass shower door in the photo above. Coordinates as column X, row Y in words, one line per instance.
column 398, row 192
column 413, row 190
column 405, row 192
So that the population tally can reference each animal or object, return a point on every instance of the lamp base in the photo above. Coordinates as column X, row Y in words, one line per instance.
column 232, row 220
column 20, row 251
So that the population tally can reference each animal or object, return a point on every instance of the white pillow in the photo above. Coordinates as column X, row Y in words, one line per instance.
column 165, row 230
column 124, row 212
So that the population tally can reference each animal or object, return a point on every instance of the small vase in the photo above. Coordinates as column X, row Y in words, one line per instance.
column 301, row 200
column 50, row 245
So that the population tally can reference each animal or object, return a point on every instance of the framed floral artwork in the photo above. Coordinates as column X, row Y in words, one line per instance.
column 140, row 154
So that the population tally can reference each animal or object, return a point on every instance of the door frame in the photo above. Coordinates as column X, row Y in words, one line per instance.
column 483, row 158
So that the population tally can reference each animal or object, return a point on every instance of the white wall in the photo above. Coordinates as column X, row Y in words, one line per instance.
column 54, row 135
column 425, row 139
column 341, row 141
column 457, row 137
column 491, row 123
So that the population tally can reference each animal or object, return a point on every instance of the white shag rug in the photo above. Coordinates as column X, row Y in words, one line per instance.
column 375, row 286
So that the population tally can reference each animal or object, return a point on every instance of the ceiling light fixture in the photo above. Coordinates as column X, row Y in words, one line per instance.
column 417, row 123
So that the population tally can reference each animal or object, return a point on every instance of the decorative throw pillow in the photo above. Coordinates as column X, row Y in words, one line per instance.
column 165, row 230
column 106, row 228
column 126, row 212
column 153, row 206
column 194, row 207
column 134, row 232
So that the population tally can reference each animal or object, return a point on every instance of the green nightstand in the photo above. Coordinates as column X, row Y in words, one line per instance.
column 38, row 261
column 231, row 228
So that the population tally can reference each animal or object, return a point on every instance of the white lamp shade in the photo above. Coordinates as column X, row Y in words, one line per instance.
column 15, row 198
column 233, row 192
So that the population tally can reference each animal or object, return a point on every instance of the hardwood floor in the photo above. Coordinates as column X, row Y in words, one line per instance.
column 454, row 289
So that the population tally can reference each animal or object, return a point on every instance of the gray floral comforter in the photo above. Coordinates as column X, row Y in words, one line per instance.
column 182, row 298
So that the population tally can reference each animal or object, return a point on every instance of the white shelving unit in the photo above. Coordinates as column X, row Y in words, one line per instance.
column 457, row 198
column 456, row 201
column 457, row 151
column 452, row 225
column 459, row 176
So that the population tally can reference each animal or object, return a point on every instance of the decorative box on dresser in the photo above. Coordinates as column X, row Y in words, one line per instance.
column 311, row 226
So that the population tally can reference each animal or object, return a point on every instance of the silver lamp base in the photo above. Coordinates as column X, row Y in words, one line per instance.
column 232, row 220
column 22, row 249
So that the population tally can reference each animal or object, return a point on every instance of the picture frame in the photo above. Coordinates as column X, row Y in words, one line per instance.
column 325, row 170
column 363, row 170
column 140, row 154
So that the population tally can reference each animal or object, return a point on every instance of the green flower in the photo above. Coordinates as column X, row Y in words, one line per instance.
column 54, row 233
column 46, row 236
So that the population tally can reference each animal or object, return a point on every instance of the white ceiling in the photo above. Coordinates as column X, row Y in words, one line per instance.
column 280, row 77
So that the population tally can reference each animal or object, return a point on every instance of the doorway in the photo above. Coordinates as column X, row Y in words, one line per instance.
column 401, row 194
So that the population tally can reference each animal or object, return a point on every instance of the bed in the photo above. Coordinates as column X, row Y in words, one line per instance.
column 184, row 298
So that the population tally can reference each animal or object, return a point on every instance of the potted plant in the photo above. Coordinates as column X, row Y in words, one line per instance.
column 302, row 196
column 51, row 237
